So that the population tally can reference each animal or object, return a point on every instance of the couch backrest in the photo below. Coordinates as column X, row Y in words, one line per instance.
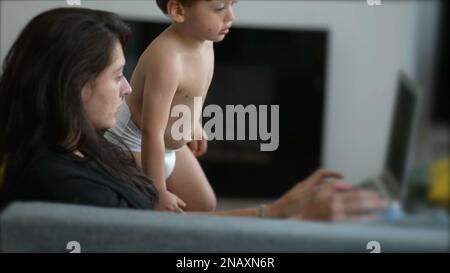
column 50, row 227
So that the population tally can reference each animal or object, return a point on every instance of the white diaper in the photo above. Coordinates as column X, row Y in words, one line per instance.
column 130, row 134
column 170, row 159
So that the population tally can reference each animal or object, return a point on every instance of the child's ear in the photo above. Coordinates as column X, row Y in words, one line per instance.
column 175, row 10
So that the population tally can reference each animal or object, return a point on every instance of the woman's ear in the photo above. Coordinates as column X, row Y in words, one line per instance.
column 175, row 11
column 87, row 91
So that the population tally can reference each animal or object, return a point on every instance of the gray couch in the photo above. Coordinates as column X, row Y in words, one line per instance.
column 47, row 227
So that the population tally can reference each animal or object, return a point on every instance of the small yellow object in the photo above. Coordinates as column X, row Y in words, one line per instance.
column 439, row 192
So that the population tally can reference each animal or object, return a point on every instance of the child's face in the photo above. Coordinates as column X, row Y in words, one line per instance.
column 210, row 20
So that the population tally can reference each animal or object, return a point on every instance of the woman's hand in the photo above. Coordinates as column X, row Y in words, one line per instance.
column 318, row 199
column 170, row 202
column 199, row 147
column 333, row 203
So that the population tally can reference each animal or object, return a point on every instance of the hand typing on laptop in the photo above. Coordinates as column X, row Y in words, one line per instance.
column 330, row 198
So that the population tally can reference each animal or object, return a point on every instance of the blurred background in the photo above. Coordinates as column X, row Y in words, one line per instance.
column 332, row 66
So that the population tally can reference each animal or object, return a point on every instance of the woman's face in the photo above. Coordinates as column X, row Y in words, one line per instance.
column 102, row 98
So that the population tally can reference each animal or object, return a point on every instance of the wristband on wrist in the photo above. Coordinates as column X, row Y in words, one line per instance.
column 262, row 211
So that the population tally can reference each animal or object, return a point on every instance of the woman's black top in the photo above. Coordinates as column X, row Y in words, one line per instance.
column 58, row 175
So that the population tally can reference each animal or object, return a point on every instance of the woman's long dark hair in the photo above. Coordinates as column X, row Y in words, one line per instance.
column 54, row 57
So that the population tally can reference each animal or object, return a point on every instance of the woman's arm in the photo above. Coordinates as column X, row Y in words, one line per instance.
column 315, row 198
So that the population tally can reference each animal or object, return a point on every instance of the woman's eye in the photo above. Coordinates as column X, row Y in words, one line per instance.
column 119, row 78
column 220, row 8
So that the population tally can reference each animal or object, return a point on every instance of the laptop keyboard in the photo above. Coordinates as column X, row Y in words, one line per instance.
column 374, row 185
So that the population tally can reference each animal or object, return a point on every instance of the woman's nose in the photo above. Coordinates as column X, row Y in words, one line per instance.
column 126, row 89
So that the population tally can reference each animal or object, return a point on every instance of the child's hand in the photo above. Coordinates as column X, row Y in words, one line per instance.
column 170, row 202
column 199, row 147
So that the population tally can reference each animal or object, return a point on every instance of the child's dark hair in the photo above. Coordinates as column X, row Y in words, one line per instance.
column 162, row 4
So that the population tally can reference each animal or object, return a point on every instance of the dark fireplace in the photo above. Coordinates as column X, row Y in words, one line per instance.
column 256, row 66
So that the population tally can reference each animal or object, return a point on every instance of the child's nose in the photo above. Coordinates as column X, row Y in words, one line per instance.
column 230, row 15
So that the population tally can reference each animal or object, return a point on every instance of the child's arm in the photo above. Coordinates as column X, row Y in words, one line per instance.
column 161, row 81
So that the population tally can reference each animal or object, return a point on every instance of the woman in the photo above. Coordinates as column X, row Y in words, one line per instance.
column 61, row 88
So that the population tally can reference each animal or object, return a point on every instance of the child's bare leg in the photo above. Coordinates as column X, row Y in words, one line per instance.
column 189, row 182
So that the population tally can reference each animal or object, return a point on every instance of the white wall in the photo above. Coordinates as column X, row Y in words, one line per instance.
column 368, row 45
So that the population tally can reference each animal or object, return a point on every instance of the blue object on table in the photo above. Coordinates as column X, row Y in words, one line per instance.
column 394, row 212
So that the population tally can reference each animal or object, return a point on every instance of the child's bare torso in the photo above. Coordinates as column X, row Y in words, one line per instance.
column 197, row 72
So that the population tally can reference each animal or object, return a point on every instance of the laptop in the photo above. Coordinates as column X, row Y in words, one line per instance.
column 391, row 183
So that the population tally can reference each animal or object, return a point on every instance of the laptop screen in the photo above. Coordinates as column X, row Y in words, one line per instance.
column 401, row 129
